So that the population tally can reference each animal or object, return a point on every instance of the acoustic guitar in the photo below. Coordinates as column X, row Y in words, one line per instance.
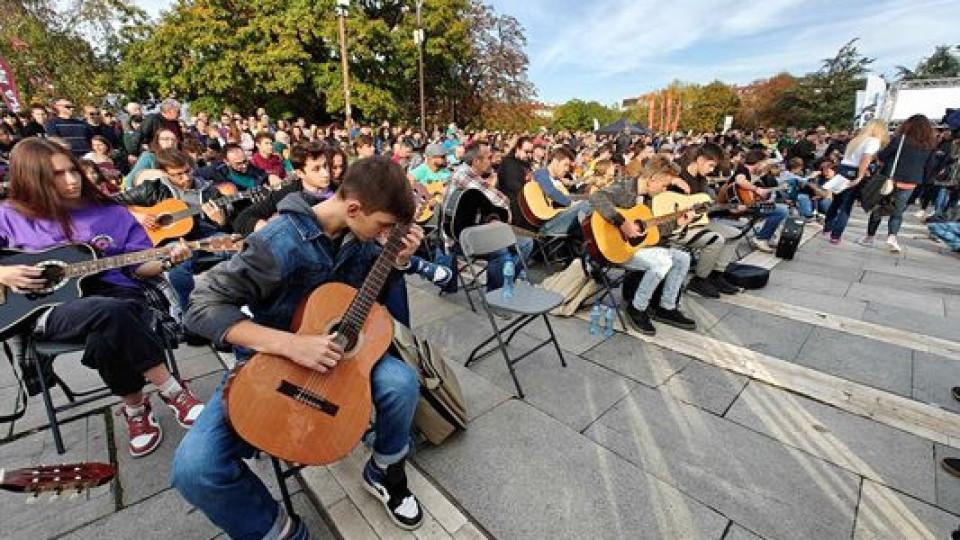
column 431, row 194
column 614, row 247
column 537, row 208
column 64, row 268
column 470, row 207
column 56, row 479
column 731, row 193
column 175, row 217
column 299, row 414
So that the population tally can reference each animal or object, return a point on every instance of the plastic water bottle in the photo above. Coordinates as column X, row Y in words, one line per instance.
column 522, row 276
column 608, row 317
column 509, row 271
column 595, row 319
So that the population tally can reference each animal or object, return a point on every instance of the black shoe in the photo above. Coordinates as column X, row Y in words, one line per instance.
column 956, row 393
column 703, row 287
column 722, row 285
column 640, row 321
column 390, row 486
column 674, row 317
column 951, row 465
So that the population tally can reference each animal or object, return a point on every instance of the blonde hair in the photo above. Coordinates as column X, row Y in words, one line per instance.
column 875, row 128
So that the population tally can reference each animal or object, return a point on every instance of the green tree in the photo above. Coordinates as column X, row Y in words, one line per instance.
column 827, row 96
column 578, row 115
column 710, row 104
column 65, row 49
column 941, row 64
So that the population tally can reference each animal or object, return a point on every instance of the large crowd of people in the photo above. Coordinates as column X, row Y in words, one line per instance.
column 312, row 202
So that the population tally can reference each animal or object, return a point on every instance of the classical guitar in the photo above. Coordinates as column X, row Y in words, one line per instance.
column 64, row 268
column 731, row 193
column 57, row 479
column 610, row 243
column 537, row 208
column 298, row 414
column 175, row 217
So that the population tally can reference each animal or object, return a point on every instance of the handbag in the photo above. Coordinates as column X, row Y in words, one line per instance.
column 880, row 185
column 888, row 185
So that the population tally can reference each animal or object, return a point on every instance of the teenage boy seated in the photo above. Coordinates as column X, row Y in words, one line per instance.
column 550, row 179
column 747, row 176
column 659, row 263
column 307, row 246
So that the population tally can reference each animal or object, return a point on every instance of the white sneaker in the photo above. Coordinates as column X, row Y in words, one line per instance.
column 919, row 214
column 893, row 245
column 761, row 245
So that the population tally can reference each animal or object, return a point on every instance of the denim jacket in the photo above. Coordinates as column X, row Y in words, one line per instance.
column 280, row 266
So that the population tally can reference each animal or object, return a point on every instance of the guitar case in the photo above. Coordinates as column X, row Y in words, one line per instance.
column 747, row 276
column 790, row 237
column 469, row 207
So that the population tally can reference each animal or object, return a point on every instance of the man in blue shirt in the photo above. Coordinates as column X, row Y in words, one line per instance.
column 550, row 180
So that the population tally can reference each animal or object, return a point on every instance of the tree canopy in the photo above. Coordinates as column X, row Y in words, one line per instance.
column 578, row 115
column 942, row 63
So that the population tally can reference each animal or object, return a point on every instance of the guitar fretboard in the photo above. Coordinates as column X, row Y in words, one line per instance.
column 95, row 266
column 357, row 313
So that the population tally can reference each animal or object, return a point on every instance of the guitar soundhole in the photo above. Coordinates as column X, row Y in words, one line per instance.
column 643, row 234
column 54, row 273
column 164, row 220
column 346, row 338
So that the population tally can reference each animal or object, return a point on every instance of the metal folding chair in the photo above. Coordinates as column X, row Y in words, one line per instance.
column 528, row 302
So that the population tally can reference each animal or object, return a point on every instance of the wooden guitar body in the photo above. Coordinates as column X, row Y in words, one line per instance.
column 165, row 211
column 432, row 195
column 536, row 207
column 610, row 241
column 298, row 414
column 669, row 202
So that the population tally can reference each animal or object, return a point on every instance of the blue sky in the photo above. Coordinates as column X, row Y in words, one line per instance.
column 607, row 50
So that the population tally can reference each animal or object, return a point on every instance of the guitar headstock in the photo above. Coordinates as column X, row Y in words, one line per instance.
column 56, row 479
column 219, row 243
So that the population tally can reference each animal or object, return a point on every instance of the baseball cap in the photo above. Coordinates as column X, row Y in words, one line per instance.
column 434, row 150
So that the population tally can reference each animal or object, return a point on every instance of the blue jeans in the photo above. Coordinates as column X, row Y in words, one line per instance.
column 568, row 221
column 948, row 232
column 839, row 212
column 669, row 265
column 496, row 259
column 772, row 219
column 895, row 219
column 209, row 473
column 805, row 205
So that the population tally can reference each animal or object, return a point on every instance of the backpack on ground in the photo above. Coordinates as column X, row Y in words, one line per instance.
column 441, row 409
column 747, row 276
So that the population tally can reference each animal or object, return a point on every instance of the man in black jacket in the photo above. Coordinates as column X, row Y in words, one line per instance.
column 513, row 174
column 236, row 169
column 168, row 117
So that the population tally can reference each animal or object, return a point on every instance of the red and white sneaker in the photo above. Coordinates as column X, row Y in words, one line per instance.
column 185, row 406
column 144, row 430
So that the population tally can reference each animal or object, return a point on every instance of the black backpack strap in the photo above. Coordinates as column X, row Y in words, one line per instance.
column 20, row 406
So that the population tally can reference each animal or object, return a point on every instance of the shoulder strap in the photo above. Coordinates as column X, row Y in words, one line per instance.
column 896, row 158
column 20, row 406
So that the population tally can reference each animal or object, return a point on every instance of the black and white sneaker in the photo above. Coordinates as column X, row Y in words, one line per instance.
column 722, row 285
column 674, row 317
column 390, row 486
column 703, row 287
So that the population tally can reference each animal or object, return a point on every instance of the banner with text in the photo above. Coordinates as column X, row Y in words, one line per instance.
column 8, row 86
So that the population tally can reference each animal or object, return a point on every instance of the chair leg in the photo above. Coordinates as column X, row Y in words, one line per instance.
column 172, row 363
column 48, row 403
column 282, row 483
column 466, row 291
column 553, row 337
column 616, row 305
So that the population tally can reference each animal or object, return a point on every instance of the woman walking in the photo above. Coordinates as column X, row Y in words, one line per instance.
column 854, row 167
column 911, row 153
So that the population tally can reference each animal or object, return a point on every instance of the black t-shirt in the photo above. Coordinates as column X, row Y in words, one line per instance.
column 698, row 183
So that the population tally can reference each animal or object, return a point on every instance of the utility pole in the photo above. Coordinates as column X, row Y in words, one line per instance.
column 342, row 6
column 418, row 38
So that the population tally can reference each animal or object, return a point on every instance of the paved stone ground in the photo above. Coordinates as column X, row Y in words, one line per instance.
column 631, row 440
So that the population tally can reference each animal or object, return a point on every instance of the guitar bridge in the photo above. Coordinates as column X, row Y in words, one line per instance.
column 298, row 393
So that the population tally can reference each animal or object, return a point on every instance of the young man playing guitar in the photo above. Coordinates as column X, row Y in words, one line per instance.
column 53, row 203
column 307, row 246
column 714, row 250
column 666, row 264
column 550, row 179
column 743, row 176
column 179, row 183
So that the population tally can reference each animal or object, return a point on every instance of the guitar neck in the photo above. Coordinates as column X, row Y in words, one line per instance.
column 95, row 266
column 673, row 216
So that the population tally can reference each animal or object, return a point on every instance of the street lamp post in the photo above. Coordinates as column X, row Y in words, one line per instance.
column 418, row 39
column 342, row 6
